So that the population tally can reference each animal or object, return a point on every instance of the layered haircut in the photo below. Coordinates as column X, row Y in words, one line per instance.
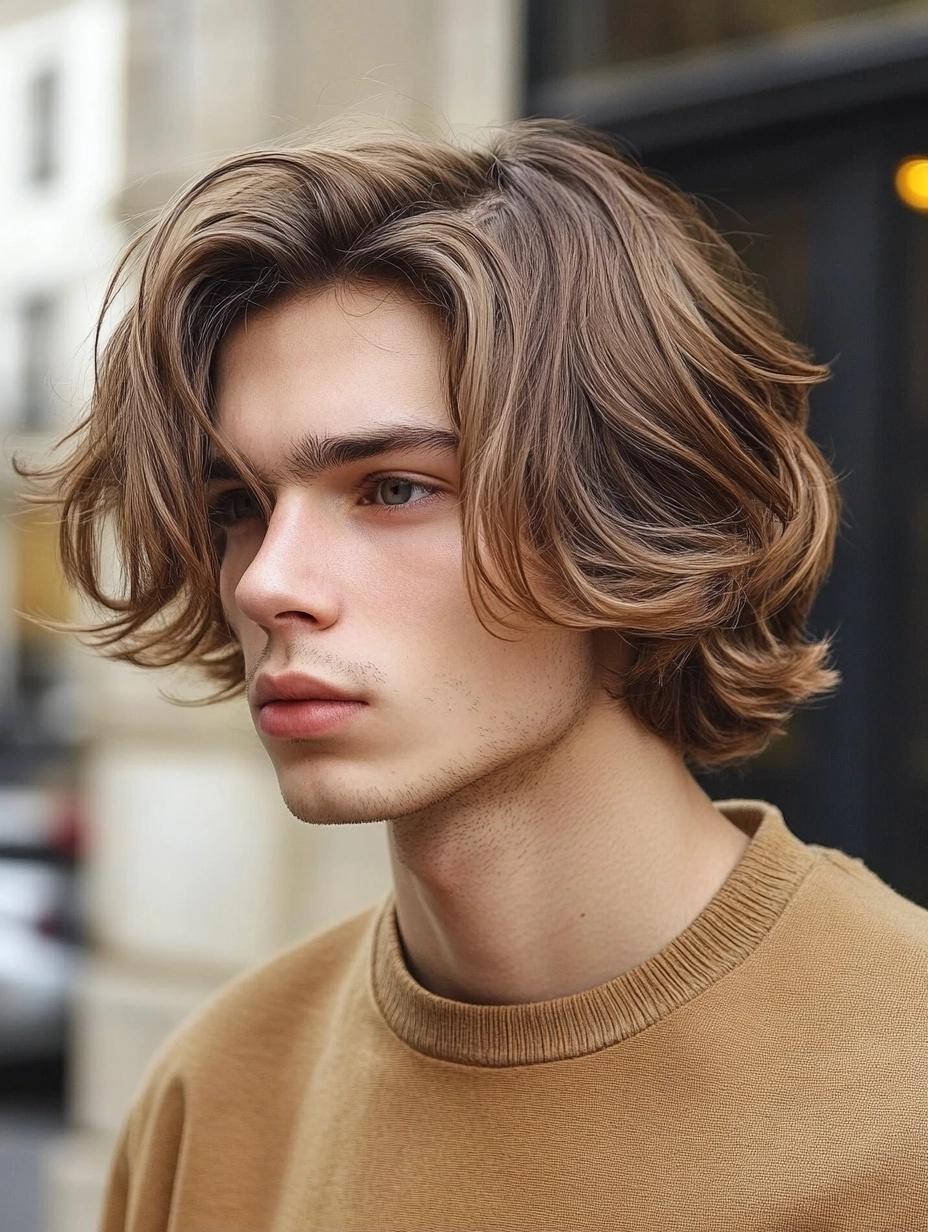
column 633, row 453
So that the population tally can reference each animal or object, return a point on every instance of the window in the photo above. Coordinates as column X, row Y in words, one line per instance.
column 42, row 127
column 36, row 331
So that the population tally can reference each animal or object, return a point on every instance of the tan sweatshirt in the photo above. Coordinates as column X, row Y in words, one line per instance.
column 767, row 1071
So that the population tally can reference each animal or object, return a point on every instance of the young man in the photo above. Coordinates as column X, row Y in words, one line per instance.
column 485, row 475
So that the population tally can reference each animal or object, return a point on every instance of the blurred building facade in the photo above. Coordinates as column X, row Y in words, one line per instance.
column 61, row 163
column 62, row 107
column 791, row 119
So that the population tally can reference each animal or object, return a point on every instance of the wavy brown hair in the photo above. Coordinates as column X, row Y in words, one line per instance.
column 633, row 449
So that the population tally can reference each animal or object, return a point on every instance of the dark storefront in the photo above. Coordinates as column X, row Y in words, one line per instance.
column 793, row 137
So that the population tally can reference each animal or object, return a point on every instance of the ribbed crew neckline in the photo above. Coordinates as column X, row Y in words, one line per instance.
column 730, row 926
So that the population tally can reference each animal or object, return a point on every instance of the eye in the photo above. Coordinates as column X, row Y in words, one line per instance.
column 223, row 510
column 395, row 484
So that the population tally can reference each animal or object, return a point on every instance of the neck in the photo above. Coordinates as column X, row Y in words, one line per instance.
column 558, row 874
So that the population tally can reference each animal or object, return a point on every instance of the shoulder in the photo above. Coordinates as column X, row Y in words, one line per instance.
column 860, row 949
column 870, row 905
column 235, row 1039
column 273, row 999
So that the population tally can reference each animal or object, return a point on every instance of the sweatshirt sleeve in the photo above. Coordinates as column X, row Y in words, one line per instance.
column 147, row 1153
column 113, row 1217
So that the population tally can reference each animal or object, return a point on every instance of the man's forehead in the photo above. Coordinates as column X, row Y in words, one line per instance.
column 336, row 323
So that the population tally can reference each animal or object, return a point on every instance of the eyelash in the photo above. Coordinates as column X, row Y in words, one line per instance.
column 219, row 508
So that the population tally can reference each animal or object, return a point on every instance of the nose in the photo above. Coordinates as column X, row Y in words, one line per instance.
column 293, row 571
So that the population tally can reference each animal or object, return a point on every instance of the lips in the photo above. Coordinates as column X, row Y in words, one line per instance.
column 302, row 720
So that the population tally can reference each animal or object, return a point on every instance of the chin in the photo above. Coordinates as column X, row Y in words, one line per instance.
column 324, row 801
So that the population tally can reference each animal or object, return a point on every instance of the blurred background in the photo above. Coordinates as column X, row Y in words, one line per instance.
column 145, row 855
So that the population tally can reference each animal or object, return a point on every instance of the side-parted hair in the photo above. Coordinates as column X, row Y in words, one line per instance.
column 633, row 448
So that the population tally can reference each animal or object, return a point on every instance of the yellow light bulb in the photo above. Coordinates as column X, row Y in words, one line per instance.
column 912, row 182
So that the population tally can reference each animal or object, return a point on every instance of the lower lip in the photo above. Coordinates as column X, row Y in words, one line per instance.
column 305, row 718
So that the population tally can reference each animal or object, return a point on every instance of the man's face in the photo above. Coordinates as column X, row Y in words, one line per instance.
column 361, row 582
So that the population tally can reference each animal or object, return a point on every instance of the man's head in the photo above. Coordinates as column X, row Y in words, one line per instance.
column 632, row 494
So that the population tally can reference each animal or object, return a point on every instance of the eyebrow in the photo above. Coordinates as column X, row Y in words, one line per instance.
column 312, row 454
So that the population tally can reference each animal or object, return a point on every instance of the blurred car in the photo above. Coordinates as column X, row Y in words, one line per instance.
column 40, row 925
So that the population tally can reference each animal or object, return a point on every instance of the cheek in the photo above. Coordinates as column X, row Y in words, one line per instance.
column 526, row 665
column 418, row 574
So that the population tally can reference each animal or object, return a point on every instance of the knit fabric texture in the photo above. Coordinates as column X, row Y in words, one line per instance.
column 767, row 1071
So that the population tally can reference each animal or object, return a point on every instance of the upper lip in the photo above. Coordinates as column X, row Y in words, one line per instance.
column 295, row 687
